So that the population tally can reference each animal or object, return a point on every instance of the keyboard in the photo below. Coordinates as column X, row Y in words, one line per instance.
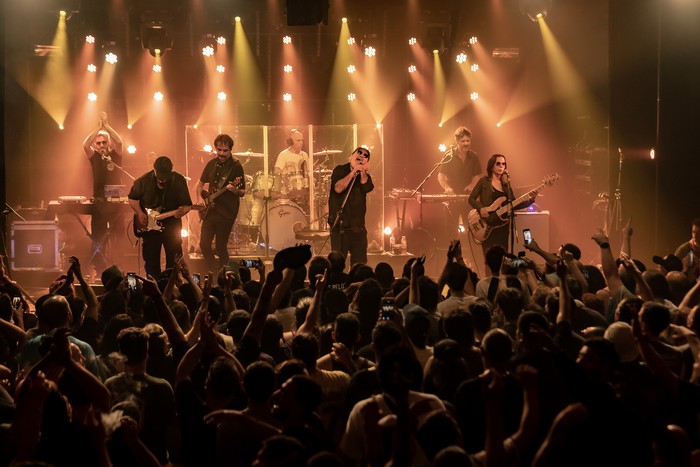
column 440, row 198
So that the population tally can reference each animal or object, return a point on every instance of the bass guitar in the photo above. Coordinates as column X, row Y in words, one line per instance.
column 498, row 212
column 210, row 197
column 155, row 219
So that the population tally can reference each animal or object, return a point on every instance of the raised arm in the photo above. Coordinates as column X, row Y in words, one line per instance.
column 417, row 270
column 612, row 277
column 313, row 314
column 165, row 314
column 88, row 293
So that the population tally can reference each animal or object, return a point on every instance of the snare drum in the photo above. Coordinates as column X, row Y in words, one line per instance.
column 286, row 218
column 297, row 185
column 273, row 181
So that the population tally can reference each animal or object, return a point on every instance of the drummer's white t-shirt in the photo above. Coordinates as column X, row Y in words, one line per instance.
column 287, row 161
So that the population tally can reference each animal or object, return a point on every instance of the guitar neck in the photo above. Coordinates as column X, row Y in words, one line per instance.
column 503, row 209
column 166, row 214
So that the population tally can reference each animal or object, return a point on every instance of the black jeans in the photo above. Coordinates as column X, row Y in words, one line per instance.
column 352, row 240
column 152, row 242
column 218, row 227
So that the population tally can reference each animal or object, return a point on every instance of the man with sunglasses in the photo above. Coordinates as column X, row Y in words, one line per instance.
column 457, row 176
column 165, row 191
column 351, row 180
column 103, row 148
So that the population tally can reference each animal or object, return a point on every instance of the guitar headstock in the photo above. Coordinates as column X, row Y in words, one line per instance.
column 550, row 179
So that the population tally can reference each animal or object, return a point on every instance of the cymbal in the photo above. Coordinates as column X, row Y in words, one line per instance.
column 326, row 152
column 249, row 154
column 323, row 171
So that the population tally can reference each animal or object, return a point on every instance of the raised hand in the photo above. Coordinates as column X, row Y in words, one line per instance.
column 149, row 286
column 600, row 237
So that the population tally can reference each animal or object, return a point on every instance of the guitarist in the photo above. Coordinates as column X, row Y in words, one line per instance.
column 495, row 184
column 225, row 182
column 163, row 190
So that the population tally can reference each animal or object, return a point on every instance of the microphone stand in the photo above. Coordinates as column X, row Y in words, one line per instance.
column 338, row 217
column 445, row 159
column 121, row 169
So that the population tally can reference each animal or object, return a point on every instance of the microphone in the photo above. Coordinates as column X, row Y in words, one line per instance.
column 106, row 157
column 619, row 151
column 6, row 212
column 506, row 175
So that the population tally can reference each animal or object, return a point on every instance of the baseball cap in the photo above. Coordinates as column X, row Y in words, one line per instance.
column 669, row 262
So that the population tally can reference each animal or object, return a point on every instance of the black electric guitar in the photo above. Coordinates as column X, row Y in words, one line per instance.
column 210, row 197
column 154, row 220
column 498, row 212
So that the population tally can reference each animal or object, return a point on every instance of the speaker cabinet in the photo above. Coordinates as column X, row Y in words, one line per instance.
column 34, row 246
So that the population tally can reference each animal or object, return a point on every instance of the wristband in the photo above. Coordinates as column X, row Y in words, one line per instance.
column 605, row 245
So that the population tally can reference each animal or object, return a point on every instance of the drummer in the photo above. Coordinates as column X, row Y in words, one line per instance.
column 293, row 164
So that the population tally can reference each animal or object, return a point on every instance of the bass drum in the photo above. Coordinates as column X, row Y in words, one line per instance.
column 286, row 218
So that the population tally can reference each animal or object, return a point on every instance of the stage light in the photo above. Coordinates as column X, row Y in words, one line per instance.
column 158, row 96
column 410, row 97
column 237, row 19
column 90, row 39
column 221, row 96
column 91, row 68
column 412, row 41
column 287, row 68
column 194, row 126
column 352, row 96
column 221, row 40
column 440, row 125
column 220, row 68
column 351, row 41
column 344, row 20
column 208, row 51
column 442, row 148
column 157, row 68
column 436, row 51
column 287, row 97
column 351, row 69
column 461, row 228
column 474, row 96
column 111, row 58
column 535, row 9
column 370, row 51
column 498, row 125
column 184, row 233
column 129, row 126
column 461, row 58
column 286, row 40
column 156, row 38
column 60, row 126
column 131, row 149
column 412, row 69
column 378, row 125
column 207, row 147
column 652, row 154
column 474, row 67
column 62, row 13
column 92, row 97
column 473, row 40
column 387, row 230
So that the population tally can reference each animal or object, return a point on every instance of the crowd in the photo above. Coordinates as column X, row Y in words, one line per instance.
column 543, row 362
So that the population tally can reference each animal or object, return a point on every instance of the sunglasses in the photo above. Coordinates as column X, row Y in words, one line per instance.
column 500, row 163
column 362, row 153
column 100, row 143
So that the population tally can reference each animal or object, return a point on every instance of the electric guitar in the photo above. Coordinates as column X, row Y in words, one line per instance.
column 210, row 197
column 154, row 220
column 498, row 212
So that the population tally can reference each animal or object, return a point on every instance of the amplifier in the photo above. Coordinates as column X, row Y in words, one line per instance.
column 34, row 246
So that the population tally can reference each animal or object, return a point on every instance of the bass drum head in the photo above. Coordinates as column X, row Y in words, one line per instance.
column 286, row 218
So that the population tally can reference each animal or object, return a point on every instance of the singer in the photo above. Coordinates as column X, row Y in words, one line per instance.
column 224, row 179
column 103, row 148
column 495, row 184
column 351, row 182
column 457, row 176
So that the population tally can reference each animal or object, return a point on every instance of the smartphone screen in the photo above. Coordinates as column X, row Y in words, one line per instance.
column 131, row 280
column 196, row 278
column 527, row 236
column 387, row 308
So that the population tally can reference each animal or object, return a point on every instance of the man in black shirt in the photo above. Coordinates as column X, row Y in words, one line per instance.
column 349, row 233
column 225, row 182
column 160, row 191
column 103, row 148
column 458, row 176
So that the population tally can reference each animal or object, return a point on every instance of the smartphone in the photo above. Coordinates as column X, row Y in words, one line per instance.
column 131, row 281
column 388, row 307
column 250, row 263
column 197, row 279
column 527, row 236
column 691, row 259
column 16, row 301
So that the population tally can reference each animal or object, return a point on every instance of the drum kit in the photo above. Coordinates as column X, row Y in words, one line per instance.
column 286, row 206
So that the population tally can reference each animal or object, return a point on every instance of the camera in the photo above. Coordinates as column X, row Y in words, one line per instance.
column 387, row 308
column 527, row 236
column 196, row 278
column 131, row 281
column 250, row 263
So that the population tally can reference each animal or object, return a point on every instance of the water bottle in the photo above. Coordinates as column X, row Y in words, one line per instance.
column 392, row 243
column 404, row 247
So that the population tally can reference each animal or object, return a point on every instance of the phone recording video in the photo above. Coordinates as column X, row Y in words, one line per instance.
column 197, row 279
column 388, row 307
column 250, row 263
column 131, row 281
column 527, row 236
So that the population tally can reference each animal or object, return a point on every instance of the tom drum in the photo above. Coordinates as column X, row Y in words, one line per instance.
column 297, row 185
column 273, row 181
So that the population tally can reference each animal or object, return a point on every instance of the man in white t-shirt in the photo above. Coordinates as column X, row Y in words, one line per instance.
column 293, row 165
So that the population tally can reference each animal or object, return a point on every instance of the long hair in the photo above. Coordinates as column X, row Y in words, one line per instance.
column 491, row 163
